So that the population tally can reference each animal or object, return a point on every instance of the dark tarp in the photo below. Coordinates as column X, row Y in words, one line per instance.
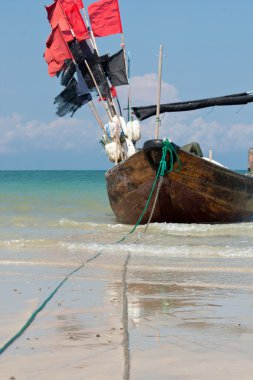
column 68, row 100
column 83, row 51
column 68, row 72
column 145, row 112
column 116, row 69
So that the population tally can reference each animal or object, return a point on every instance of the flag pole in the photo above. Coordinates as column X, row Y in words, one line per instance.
column 129, row 89
column 123, row 45
column 96, row 48
column 96, row 115
column 99, row 92
column 73, row 34
column 159, row 93
column 90, row 103
column 93, row 40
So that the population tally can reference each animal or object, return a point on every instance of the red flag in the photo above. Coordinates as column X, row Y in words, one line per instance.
column 76, row 21
column 56, row 17
column 67, row 17
column 67, row 3
column 56, row 51
column 113, row 93
column 105, row 18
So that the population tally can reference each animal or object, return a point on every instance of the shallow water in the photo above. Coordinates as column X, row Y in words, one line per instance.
column 186, row 290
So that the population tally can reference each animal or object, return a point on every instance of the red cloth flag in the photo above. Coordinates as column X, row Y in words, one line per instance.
column 67, row 17
column 53, row 66
column 67, row 3
column 113, row 94
column 76, row 21
column 56, row 17
column 105, row 18
column 56, row 51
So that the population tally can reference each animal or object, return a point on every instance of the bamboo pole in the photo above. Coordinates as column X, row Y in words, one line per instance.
column 99, row 92
column 250, row 161
column 105, row 103
column 93, row 108
column 96, row 115
column 124, row 51
column 129, row 115
column 93, row 40
column 159, row 93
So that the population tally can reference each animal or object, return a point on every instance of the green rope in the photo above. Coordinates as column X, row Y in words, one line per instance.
column 34, row 314
column 162, row 170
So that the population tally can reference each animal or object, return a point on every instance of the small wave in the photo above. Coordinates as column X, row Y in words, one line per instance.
column 203, row 229
column 27, row 243
column 67, row 223
column 171, row 251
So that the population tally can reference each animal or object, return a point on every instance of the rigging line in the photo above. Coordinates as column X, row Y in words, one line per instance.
column 239, row 110
column 152, row 211
column 125, row 342
column 44, row 303
column 155, row 202
column 208, row 113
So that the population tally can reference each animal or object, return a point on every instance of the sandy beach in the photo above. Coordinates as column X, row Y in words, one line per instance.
column 126, row 316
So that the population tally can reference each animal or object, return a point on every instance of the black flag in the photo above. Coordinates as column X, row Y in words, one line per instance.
column 69, row 101
column 116, row 69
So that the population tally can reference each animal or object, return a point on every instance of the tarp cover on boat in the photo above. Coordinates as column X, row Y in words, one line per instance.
column 145, row 112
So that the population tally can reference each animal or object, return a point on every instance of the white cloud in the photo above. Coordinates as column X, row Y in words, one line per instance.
column 144, row 90
column 210, row 134
column 73, row 134
column 18, row 135
column 185, row 127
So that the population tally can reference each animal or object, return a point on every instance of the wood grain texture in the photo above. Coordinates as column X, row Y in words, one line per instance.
column 201, row 192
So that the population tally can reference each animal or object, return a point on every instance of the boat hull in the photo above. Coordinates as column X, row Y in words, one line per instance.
column 200, row 192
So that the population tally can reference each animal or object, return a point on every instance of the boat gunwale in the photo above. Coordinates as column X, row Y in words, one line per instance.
column 209, row 164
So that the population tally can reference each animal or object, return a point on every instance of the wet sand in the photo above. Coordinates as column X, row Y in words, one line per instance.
column 125, row 316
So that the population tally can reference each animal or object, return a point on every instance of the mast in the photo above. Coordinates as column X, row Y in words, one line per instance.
column 159, row 93
column 250, row 161
column 129, row 89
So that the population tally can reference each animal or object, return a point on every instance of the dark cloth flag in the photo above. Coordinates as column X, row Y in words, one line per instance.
column 81, row 52
column 68, row 72
column 105, row 18
column 115, row 69
column 82, row 87
column 68, row 100
column 56, row 52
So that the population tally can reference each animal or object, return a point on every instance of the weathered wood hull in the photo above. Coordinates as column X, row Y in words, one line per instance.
column 201, row 192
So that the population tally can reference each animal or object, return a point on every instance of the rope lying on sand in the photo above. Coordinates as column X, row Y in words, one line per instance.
column 162, row 170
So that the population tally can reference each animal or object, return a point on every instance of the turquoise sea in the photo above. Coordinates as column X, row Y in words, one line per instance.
column 70, row 209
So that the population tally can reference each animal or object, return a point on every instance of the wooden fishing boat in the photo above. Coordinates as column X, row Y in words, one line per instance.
column 200, row 192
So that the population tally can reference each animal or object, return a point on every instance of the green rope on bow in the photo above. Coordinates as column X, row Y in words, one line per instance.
column 168, row 147
column 162, row 170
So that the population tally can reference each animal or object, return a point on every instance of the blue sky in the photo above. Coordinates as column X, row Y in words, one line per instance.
column 208, row 51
